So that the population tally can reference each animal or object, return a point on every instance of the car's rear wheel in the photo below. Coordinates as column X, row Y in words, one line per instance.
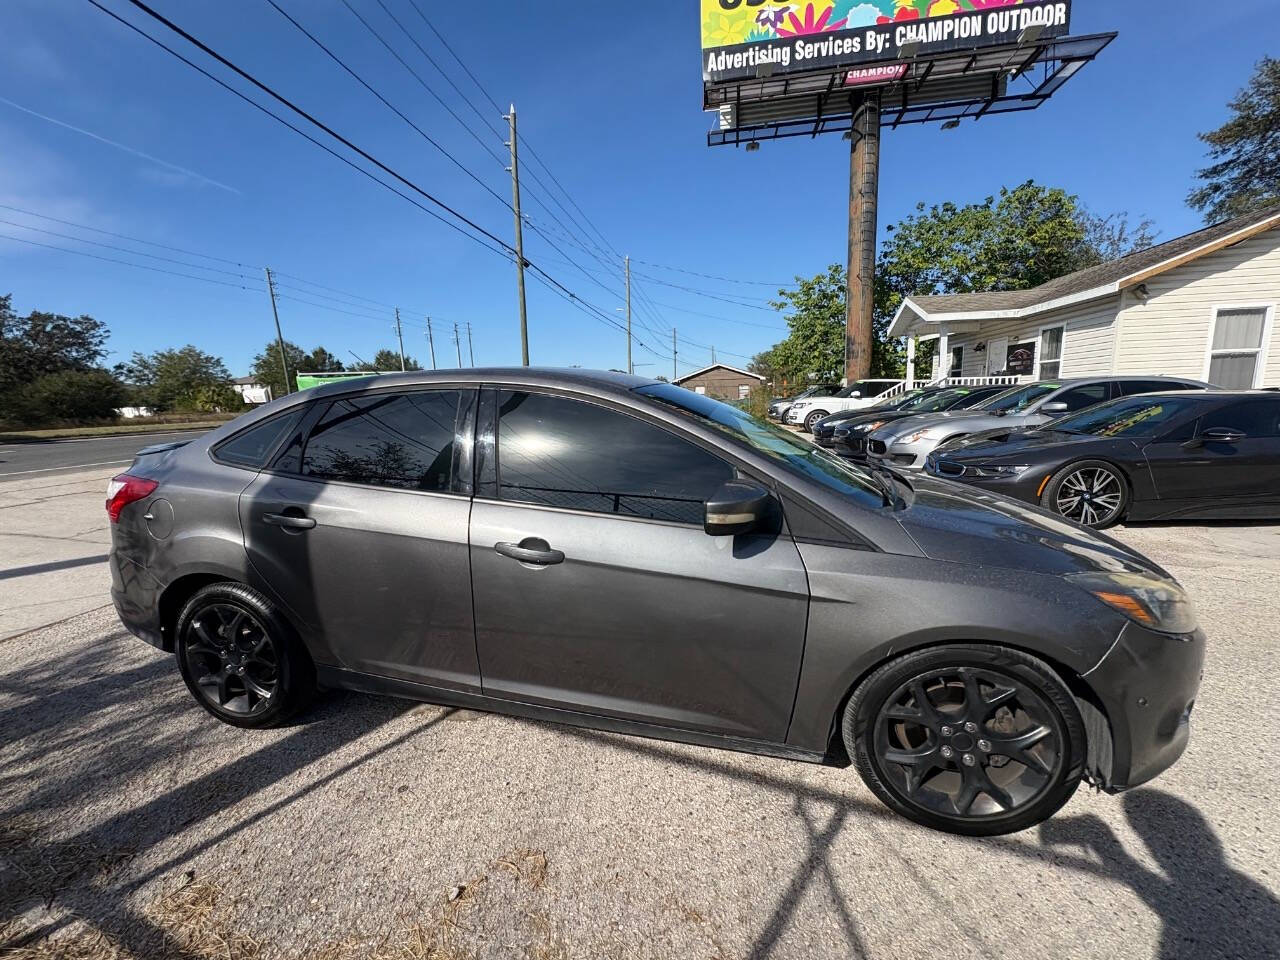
column 971, row 739
column 812, row 419
column 240, row 659
column 1090, row 492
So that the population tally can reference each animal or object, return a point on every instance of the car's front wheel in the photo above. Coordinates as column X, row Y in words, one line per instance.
column 240, row 659
column 971, row 739
column 812, row 419
column 1090, row 492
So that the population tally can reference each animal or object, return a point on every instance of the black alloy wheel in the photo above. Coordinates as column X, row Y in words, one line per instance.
column 1092, row 493
column 239, row 659
column 970, row 739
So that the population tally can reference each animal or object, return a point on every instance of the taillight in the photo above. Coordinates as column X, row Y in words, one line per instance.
column 124, row 490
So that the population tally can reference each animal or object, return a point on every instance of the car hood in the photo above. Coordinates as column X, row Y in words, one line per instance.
column 1002, row 443
column 962, row 524
column 970, row 421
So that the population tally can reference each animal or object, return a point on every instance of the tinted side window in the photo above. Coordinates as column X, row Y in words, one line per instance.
column 1129, row 388
column 1081, row 397
column 1258, row 417
column 251, row 447
column 569, row 453
column 402, row 440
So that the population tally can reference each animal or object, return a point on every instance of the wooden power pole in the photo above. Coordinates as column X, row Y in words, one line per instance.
column 400, row 337
column 515, row 194
column 864, row 186
column 284, row 365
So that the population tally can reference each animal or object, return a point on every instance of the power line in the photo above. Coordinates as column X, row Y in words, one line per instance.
column 712, row 276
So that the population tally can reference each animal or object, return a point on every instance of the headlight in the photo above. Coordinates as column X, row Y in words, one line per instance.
column 996, row 470
column 868, row 427
column 1152, row 602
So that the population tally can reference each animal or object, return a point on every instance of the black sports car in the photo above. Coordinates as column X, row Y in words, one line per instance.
column 849, row 437
column 1210, row 455
column 910, row 400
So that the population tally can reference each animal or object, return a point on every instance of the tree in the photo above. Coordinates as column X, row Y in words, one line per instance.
column 73, row 395
column 321, row 360
column 1245, row 174
column 1025, row 237
column 266, row 367
column 388, row 361
column 181, row 379
column 42, row 343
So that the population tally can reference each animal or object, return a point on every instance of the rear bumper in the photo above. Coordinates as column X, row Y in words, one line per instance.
column 1148, row 684
column 136, row 595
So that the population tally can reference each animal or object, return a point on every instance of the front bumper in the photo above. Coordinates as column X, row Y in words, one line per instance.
column 1026, row 487
column 1147, row 684
column 136, row 595
column 900, row 456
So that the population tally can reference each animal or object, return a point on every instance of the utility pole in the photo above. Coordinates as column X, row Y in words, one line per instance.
column 675, row 366
column 457, row 342
column 271, row 288
column 515, row 193
column 630, row 368
column 713, row 354
column 431, row 342
column 864, row 185
column 400, row 337
column 471, row 345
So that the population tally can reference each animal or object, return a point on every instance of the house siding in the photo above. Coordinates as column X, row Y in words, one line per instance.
column 720, row 382
column 1169, row 334
column 1088, row 344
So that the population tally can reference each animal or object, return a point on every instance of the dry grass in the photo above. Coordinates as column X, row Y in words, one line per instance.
column 46, row 867
column 527, row 866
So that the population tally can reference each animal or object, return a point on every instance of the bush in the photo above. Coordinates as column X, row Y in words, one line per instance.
column 76, row 395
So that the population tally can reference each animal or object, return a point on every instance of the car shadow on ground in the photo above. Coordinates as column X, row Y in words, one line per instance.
column 1211, row 910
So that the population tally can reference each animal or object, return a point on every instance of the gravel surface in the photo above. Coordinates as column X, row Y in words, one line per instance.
column 131, row 821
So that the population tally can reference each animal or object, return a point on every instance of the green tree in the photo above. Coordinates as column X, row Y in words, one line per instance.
column 266, row 367
column 321, row 360
column 388, row 361
column 73, row 395
column 176, row 379
column 1245, row 172
column 42, row 343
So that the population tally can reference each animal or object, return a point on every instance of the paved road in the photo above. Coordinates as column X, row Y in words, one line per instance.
column 55, row 456
column 376, row 828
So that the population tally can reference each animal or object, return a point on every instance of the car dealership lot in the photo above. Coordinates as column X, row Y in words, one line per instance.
column 124, row 804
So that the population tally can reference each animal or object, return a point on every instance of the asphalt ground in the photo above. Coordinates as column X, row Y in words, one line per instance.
column 43, row 457
column 133, row 824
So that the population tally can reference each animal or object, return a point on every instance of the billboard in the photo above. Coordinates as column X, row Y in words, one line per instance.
column 742, row 39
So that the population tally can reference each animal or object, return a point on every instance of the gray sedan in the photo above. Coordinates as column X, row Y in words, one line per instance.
column 619, row 553
column 906, row 444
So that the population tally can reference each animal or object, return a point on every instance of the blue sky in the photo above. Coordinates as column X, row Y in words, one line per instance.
column 609, row 97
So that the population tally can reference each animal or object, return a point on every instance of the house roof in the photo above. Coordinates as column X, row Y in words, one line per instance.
column 246, row 381
column 1083, row 285
column 718, row 366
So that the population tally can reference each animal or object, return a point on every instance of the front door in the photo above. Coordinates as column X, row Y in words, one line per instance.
column 997, row 356
column 597, row 590
column 360, row 532
column 1236, row 456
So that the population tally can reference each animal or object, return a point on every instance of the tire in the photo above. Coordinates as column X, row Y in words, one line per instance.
column 926, row 764
column 1103, row 505
column 812, row 419
column 233, row 646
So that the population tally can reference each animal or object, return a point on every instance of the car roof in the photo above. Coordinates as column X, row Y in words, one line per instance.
column 606, row 380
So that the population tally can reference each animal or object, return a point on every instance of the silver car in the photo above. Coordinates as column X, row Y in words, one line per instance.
column 906, row 444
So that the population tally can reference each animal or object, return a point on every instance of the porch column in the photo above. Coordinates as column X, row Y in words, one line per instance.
column 911, row 362
column 944, row 355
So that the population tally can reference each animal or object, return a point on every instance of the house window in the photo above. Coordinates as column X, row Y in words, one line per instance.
column 1235, row 351
column 744, row 391
column 701, row 390
column 957, row 362
column 1051, row 353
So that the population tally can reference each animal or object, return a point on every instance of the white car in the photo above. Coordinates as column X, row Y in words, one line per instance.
column 856, row 396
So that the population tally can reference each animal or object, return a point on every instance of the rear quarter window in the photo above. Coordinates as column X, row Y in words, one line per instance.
column 253, row 447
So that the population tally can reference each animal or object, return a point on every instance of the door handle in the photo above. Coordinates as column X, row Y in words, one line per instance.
column 290, row 523
column 531, row 550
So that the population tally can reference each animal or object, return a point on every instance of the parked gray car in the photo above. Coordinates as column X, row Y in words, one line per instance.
column 614, row 552
column 906, row 444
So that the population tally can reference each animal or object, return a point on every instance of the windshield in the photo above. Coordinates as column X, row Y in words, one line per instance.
column 1019, row 398
column 781, row 446
column 908, row 401
column 1131, row 417
column 942, row 401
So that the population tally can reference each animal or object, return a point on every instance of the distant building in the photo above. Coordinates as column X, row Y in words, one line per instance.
column 251, row 391
column 1201, row 306
column 722, row 382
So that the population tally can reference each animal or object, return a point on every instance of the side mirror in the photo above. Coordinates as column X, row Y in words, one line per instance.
column 856, row 395
column 1056, row 408
column 739, row 506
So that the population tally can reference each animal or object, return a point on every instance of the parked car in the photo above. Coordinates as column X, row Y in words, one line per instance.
column 1154, row 457
column 906, row 443
column 614, row 552
column 823, row 429
column 856, row 396
column 849, row 438
column 779, row 407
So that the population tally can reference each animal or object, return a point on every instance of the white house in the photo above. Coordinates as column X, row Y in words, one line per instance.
column 251, row 391
column 1201, row 306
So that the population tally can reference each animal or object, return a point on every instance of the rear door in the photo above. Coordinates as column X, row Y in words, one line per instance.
column 360, row 531
column 632, row 611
